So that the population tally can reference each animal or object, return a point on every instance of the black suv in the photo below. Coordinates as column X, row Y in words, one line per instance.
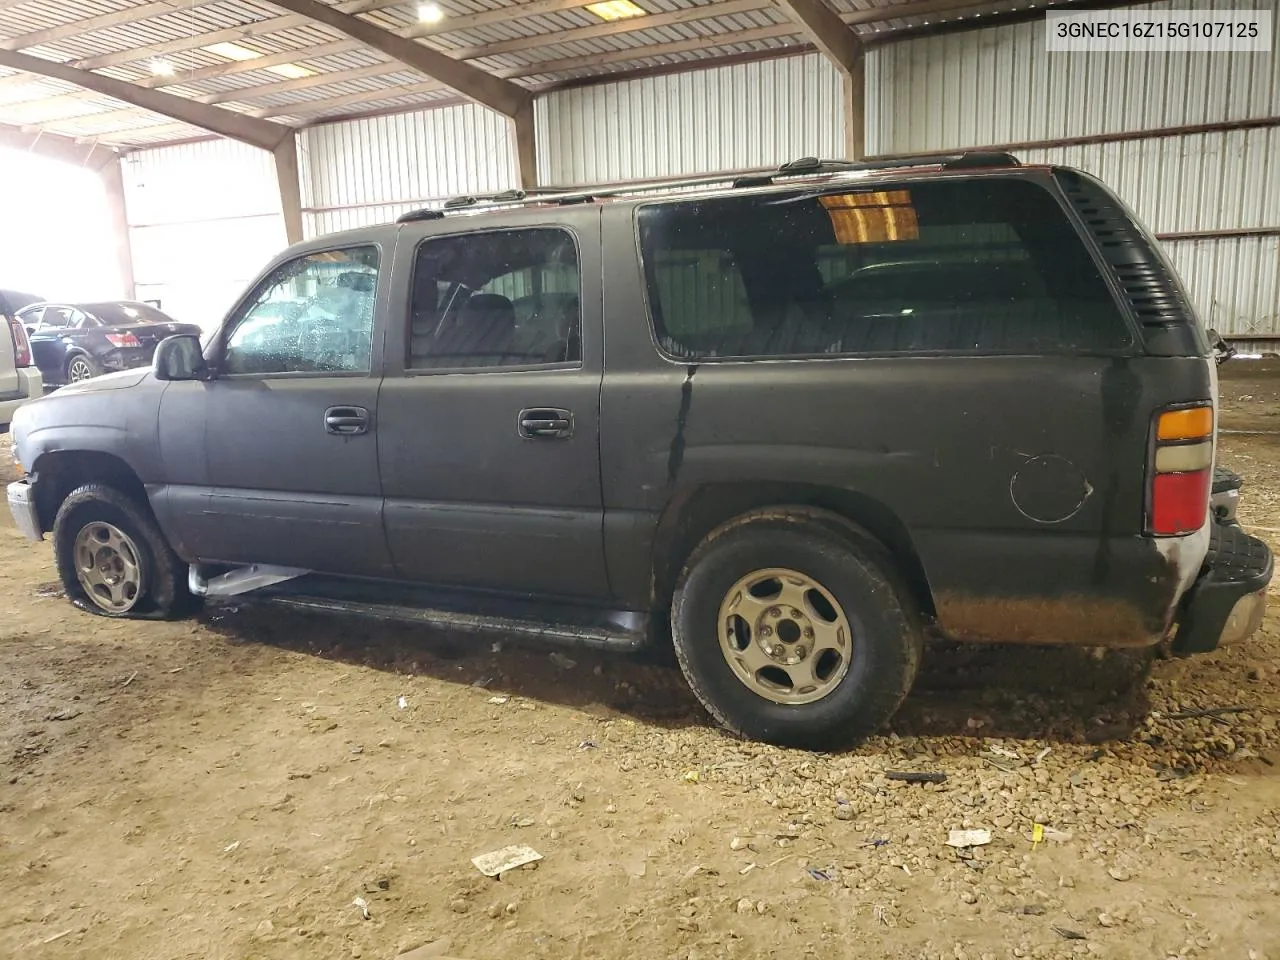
column 801, row 417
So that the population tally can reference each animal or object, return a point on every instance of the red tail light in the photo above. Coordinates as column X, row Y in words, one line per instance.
column 123, row 340
column 1181, row 470
column 21, row 345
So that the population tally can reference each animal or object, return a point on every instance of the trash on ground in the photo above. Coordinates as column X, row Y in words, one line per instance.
column 402, row 703
column 1042, row 754
column 498, row 862
column 231, row 846
column 968, row 838
column 691, row 776
column 498, row 700
column 363, row 905
column 876, row 843
column 910, row 776
column 588, row 745
column 67, row 714
column 522, row 821
column 1066, row 933
column 1005, row 752
column 820, row 874
column 563, row 662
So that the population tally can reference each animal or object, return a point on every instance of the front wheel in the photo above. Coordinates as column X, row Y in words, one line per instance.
column 113, row 559
column 790, row 632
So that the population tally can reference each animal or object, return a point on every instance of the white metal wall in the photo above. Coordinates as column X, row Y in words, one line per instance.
column 204, row 218
column 360, row 172
column 745, row 115
column 1000, row 86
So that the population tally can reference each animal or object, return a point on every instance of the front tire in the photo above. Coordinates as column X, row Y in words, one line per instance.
column 791, row 632
column 114, row 561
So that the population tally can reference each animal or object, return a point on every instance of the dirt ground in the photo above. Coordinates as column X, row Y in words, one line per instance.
column 228, row 787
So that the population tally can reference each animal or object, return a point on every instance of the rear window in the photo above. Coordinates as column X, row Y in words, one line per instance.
column 976, row 266
column 126, row 314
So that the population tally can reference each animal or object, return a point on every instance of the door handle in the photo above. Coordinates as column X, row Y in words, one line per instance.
column 545, row 423
column 346, row 421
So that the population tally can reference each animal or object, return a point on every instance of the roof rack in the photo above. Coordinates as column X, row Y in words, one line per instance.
column 805, row 166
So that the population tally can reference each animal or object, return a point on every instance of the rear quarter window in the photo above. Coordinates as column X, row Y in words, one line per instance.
column 948, row 266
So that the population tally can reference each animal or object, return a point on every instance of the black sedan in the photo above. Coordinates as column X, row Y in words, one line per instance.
column 72, row 342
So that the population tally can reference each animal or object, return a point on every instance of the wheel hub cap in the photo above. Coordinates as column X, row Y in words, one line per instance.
column 785, row 636
column 107, row 566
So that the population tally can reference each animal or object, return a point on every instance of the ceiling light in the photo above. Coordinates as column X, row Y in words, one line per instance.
column 616, row 10
column 290, row 71
column 430, row 13
column 162, row 68
column 233, row 51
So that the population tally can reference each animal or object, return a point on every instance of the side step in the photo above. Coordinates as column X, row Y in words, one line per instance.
column 476, row 613
column 626, row 635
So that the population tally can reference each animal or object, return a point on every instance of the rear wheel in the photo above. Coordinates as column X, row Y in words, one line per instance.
column 113, row 559
column 791, row 632
column 82, row 367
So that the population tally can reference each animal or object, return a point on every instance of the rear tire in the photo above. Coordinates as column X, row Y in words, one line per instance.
column 114, row 561
column 81, row 366
column 791, row 632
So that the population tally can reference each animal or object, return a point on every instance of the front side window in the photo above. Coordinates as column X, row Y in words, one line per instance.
column 495, row 299
column 980, row 265
column 311, row 315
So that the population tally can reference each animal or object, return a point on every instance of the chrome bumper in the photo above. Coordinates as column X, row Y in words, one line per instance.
column 22, row 504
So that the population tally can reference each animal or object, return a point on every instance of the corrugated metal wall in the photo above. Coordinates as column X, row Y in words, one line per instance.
column 1000, row 85
column 203, row 220
column 745, row 115
column 370, row 171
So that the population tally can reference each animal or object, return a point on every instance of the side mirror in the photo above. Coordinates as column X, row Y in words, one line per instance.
column 179, row 358
column 31, row 328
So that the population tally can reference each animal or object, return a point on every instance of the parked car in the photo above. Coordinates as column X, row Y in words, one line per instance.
column 74, row 342
column 20, row 381
column 800, row 419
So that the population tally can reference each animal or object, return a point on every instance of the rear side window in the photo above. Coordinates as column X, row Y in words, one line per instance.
column 497, row 298
column 951, row 266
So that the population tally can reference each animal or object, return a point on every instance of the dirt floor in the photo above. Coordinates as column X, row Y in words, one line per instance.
column 232, row 788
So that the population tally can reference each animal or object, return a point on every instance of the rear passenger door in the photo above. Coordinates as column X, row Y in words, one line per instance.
column 488, row 448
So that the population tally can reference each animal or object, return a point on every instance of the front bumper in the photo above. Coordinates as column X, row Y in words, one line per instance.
column 1226, row 604
column 30, row 387
column 22, row 504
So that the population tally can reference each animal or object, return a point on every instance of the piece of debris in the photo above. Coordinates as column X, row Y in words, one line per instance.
column 522, row 821
column 132, row 676
column 67, row 714
column 498, row 700
column 910, row 776
column 1042, row 754
column 363, row 905
column 844, row 811
column 1005, row 752
column 747, row 869
column 878, row 912
column 496, row 647
column 739, row 843
column 498, row 862
column 402, row 702
column 1066, row 933
column 691, row 776
column 587, row 745
column 1119, row 874
column 561, row 661
column 968, row 838
column 1208, row 712
column 482, row 682
column 231, row 846
column 817, row 874
column 876, row 843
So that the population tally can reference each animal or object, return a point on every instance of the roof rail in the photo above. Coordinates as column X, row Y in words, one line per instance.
column 804, row 166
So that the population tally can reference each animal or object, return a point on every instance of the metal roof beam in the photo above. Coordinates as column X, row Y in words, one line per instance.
column 484, row 88
column 259, row 133
column 94, row 156
column 840, row 45
column 76, row 28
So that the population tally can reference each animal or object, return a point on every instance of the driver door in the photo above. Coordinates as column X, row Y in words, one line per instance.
column 277, row 454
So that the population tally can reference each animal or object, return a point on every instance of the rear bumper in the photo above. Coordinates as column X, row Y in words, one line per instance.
column 127, row 358
column 30, row 387
column 1227, row 602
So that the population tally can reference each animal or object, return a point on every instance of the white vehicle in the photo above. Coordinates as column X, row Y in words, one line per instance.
column 20, row 379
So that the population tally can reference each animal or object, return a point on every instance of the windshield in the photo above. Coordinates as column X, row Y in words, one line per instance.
column 126, row 314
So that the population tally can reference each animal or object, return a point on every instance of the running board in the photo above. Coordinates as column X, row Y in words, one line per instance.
column 240, row 580
column 612, row 630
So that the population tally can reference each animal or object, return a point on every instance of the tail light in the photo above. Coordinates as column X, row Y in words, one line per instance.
column 21, row 345
column 1180, row 471
column 122, row 340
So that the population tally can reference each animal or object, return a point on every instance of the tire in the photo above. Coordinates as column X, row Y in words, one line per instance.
column 853, row 591
column 139, row 557
column 78, row 362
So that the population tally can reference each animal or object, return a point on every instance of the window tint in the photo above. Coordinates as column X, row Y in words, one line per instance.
column 125, row 314
column 954, row 266
column 312, row 314
column 495, row 299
